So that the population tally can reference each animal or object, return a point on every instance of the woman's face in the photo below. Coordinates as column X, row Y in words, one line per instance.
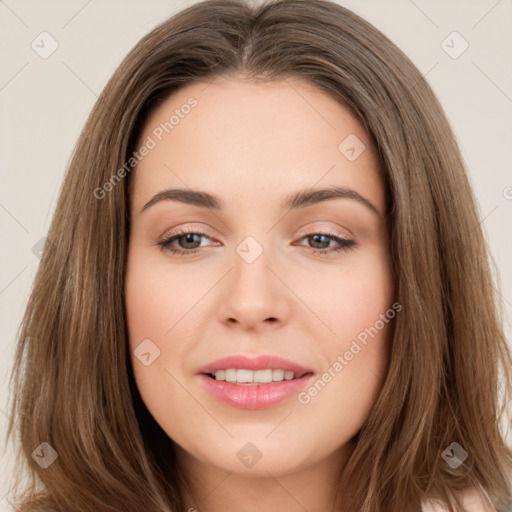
column 261, row 276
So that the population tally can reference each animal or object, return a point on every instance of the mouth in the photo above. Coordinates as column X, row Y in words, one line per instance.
column 255, row 395
column 259, row 383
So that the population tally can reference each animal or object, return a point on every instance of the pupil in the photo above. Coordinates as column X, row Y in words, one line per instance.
column 316, row 237
column 189, row 238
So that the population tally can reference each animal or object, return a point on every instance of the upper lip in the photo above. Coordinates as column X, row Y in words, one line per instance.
column 257, row 363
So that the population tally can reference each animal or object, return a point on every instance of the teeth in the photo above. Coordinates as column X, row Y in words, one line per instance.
column 278, row 375
column 231, row 375
column 242, row 376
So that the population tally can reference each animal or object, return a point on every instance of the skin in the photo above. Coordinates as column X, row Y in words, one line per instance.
column 253, row 144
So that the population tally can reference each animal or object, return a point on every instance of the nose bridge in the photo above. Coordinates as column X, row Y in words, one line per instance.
column 252, row 275
column 254, row 292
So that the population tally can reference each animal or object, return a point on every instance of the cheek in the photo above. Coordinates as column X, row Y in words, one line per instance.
column 155, row 299
column 343, row 395
column 357, row 306
column 350, row 298
column 152, row 308
column 148, row 305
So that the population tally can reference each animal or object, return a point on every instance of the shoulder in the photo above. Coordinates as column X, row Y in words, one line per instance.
column 472, row 500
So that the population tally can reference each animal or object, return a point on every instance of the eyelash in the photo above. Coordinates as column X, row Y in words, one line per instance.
column 164, row 244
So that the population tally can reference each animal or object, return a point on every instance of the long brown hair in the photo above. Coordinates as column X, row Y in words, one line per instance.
column 450, row 369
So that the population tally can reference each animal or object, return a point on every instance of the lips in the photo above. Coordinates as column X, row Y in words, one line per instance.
column 254, row 395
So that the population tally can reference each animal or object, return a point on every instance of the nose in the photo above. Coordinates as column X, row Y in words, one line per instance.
column 255, row 295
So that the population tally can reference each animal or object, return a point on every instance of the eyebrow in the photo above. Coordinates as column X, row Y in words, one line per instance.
column 299, row 199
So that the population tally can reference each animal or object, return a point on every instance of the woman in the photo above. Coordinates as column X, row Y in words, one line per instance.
column 330, row 341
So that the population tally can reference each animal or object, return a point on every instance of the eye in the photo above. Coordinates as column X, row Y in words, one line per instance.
column 190, row 238
column 321, row 239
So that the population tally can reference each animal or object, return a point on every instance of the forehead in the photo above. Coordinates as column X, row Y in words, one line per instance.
column 239, row 136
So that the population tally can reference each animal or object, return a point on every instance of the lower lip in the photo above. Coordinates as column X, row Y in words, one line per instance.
column 255, row 396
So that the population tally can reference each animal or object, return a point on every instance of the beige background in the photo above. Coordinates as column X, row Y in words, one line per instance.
column 44, row 103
